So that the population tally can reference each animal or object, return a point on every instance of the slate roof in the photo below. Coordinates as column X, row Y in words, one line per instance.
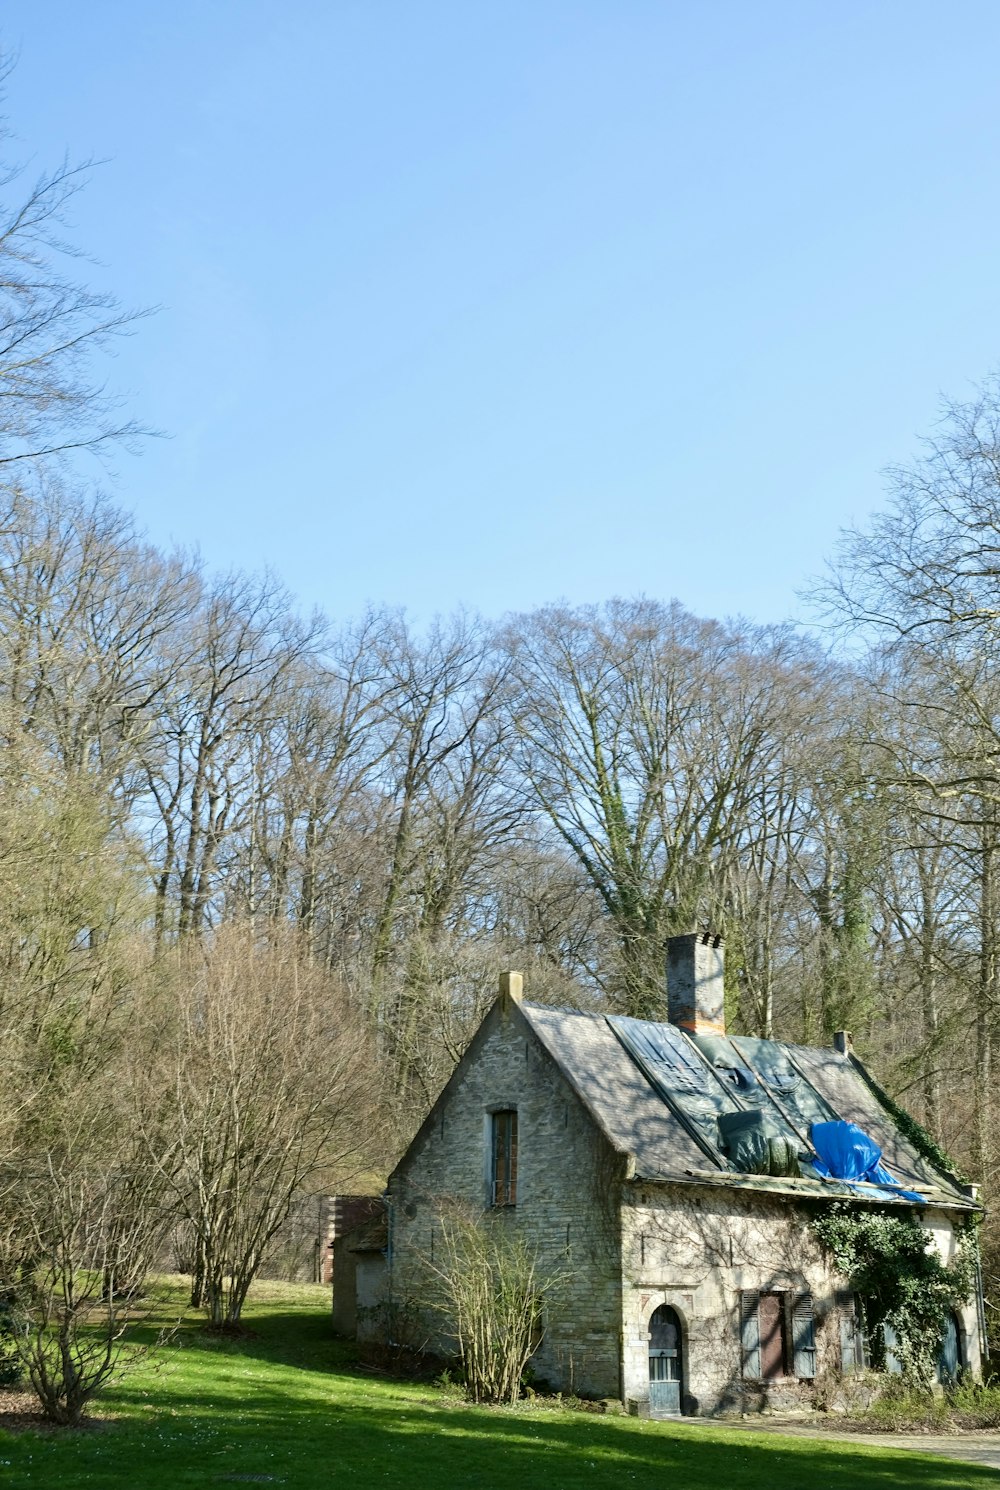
column 369, row 1236
column 656, row 1093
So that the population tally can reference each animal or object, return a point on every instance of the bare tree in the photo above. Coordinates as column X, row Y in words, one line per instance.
column 76, row 1236
column 80, row 1206
column 316, row 756
column 88, row 617
column 446, row 805
column 229, row 668
column 643, row 733
column 51, row 325
column 264, row 1084
column 921, row 585
column 441, row 716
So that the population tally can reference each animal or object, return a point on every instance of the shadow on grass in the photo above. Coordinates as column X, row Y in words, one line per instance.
column 287, row 1406
column 300, row 1338
column 413, row 1443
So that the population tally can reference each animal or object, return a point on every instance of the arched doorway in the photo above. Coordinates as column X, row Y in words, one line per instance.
column 665, row 1363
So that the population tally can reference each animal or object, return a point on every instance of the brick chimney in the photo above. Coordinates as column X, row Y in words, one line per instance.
column 695, row 983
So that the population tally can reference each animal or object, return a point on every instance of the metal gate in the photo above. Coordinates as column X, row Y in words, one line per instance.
column 665, row 1365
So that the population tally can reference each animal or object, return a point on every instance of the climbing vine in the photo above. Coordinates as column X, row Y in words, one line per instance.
column 911, row 1129
column 900, row 1281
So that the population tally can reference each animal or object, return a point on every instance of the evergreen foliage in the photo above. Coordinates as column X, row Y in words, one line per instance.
column 900, row 1281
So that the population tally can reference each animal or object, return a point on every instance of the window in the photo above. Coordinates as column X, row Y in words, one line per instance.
column 776, row 1332
column 950, row 1356
column 853, row 1339
column 503, row 1158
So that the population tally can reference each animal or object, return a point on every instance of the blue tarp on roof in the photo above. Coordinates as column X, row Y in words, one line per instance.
column 846, row 1152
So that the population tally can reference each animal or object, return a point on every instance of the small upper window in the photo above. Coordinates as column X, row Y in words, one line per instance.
column 503, row 1166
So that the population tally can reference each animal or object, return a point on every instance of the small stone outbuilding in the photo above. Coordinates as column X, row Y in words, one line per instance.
column 618, row 1147
column 359, row 1275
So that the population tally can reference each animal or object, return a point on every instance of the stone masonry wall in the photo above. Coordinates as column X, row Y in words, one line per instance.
column 696, row 1250
column 567, row 1184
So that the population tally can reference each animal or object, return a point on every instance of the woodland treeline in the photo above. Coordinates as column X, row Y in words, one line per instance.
column 259, row 870
column 562, row 790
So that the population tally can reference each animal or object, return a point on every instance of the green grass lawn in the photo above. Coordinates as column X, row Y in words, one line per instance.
column 285, row 1407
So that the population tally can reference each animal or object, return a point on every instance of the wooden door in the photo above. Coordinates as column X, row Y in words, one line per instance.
column 770, row 1313
column 665, row 1365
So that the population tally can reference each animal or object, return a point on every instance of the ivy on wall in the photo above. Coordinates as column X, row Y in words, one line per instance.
column 900, row 1281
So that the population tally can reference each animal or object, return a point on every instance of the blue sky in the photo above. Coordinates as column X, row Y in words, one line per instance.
column 493, row 304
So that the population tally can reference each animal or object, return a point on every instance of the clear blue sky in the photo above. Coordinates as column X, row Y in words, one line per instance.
column 499, row 301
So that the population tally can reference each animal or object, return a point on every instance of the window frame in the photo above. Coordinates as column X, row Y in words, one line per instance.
column 796, row 1322
column 503, row 1156
column 855, row 1355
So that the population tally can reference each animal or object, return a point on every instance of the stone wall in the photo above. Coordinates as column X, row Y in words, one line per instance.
column 345, row 1289
column 370, row 1280
column 567, row 1186
column 697, row 1250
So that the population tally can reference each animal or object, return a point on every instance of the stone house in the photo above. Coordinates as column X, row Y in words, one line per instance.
column 668, row 1173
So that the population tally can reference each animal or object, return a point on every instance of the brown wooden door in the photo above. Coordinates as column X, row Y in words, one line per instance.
column 772, row 1352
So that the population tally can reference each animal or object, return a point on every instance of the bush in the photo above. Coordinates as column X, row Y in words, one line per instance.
column 901, row 1408
column 72, row 1251
column 491, row 1294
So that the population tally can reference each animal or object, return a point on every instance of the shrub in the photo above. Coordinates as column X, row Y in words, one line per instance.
column 901, row 1408
column 491, row 1294
column 73, row 1246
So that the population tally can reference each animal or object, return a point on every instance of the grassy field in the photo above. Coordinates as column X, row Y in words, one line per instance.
column 285, row 1407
